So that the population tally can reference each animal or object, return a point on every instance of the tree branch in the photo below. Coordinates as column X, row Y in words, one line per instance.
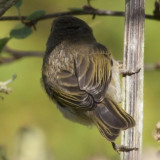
column 85, row 10
column 133, row 85
column 16, row 54
column 5, row 5
column 19, row 54
column 3, row 85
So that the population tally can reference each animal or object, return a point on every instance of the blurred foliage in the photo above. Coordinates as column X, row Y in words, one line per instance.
column 29, row 105
column 3, row 42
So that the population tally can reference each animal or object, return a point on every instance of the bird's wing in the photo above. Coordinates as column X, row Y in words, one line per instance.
column 69, row 94
column 94, row 74
column 87, row 85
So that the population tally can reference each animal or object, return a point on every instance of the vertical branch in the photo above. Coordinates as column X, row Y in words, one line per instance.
column 133, row 84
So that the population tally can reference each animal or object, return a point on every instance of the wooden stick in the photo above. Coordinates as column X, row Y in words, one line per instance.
column 133, row 85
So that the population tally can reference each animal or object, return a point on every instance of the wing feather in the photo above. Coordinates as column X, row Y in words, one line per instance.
column 88, row 84
column 94, row 74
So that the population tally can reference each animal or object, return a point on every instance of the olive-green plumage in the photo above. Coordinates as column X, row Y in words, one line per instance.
column 79, row 74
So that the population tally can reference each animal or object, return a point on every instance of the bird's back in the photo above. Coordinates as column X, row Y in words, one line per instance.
column 61, row 82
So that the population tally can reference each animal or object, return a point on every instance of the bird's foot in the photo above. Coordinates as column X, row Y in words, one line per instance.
column 122, row 148
column 129, row 72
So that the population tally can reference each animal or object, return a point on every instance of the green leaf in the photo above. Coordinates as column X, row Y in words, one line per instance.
column 18, row 3
column 35, row 15
column 21, row 31
column 3, row 42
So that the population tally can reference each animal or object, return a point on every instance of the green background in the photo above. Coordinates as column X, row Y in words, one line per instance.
column 28, row 105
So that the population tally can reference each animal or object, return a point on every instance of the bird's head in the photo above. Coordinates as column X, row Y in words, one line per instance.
column 70, row 26
column 71, row 29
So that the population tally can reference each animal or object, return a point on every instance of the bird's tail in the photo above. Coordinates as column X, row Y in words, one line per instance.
column 110, row 119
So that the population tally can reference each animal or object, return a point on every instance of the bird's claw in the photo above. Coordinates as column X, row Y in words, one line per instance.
column 122, row 148
column 129, row 72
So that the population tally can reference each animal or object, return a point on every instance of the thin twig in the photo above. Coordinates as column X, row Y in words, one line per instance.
column 80, row 11
column 16, row 54
column 5, row 5
column 84, row 11
column 20, row 54
column 3, row 85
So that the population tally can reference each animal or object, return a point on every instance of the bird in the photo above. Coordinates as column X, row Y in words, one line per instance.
column 81, row 77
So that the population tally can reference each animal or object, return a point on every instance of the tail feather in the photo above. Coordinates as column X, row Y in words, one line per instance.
column 109, row 133
column 110, row 118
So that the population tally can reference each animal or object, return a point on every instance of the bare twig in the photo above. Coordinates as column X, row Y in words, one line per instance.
column 19, row 54
column 86, row 10
column 133, row 84
column 3, row 85
column 5, row 5
column 16, row 54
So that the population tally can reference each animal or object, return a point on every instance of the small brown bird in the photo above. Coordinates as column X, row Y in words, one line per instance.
column 81, row 77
